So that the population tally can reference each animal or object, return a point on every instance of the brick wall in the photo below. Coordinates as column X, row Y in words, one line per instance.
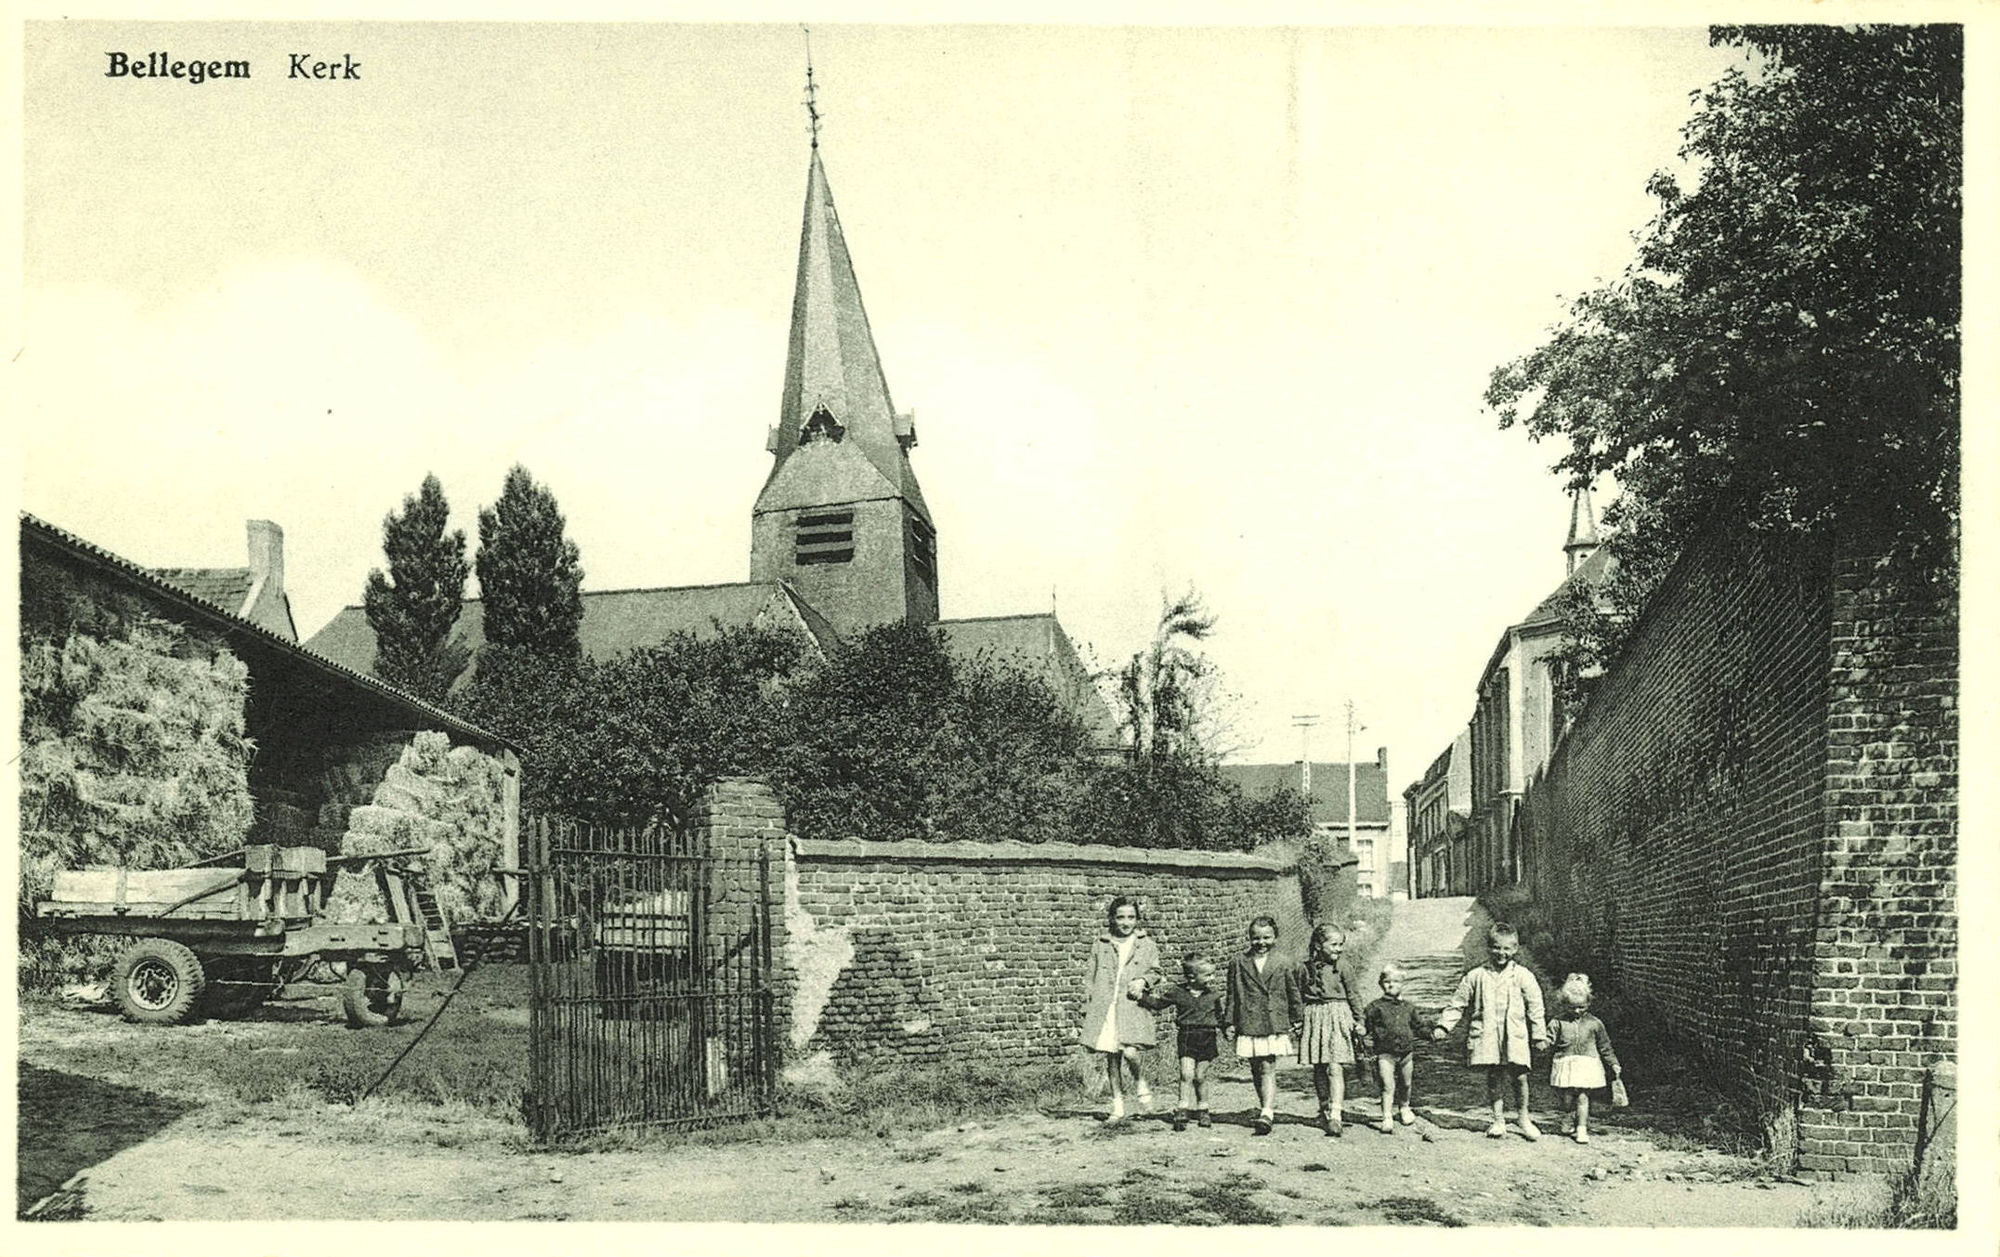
column 1750, row 835
column 1884, row 1005
column 916, row 950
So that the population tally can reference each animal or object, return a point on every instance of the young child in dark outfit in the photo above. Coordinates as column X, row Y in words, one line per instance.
column 1393, row 1028
column 1197, row 1003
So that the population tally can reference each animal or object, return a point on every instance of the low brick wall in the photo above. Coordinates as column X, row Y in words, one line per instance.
column 918, row 950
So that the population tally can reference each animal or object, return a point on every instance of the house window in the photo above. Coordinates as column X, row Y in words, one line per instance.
column 824, row 537
column 923, row 549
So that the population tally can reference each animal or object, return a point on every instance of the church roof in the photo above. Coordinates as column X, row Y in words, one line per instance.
column 1037, row 643
column 832, row 364
column 1592, row 571
column 614, row 621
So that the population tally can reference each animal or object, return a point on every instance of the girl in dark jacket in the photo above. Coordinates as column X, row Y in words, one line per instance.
column 1266, row 1009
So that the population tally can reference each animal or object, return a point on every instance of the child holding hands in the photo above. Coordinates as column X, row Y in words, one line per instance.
column 1583, row 1056
column 1327, row 1042
column 1504, row 1003
column 1123, row 962
column 1197, row 1003
column 1265, row 1008
column 1392, row 1027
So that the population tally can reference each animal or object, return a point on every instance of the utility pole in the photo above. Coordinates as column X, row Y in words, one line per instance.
column 1304, row 724
column 1351, row 728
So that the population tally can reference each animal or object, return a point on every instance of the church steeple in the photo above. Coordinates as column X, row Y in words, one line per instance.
column 840, row 515
column 1582, row 529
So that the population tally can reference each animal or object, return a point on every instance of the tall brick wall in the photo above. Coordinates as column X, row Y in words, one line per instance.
column 1885, row 955
column 917, row 950
column 1718, row 836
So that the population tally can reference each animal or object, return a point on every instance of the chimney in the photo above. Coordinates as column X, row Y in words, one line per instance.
column 268, row 607
column 267, row 554
column 1382, row 760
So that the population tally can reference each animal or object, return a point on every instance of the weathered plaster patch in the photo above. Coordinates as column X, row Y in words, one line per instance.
column 818, row 956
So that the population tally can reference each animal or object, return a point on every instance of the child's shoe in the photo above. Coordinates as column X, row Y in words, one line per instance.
column 1386, row 1126
column 1117, row 1113
column 1497, row 1130
column 1201, row 1119
column 1408, row 1116
column 1530, row 1131
column 1582, row 1135
column 1180, row 1119
column 1262, row 1126
column 1569, row 1124
column 1145, row 1097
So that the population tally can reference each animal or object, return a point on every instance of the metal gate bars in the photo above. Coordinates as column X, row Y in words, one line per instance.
column 650, row 998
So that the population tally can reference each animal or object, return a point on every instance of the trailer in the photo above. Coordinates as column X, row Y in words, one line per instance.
column 220, row 937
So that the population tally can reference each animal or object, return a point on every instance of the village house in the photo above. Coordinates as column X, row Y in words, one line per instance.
column 841, row 537
column 1376, row 846
column 1439, row 807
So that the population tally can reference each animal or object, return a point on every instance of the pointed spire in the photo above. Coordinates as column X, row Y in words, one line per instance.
column 1583, row 536
column 834, row 387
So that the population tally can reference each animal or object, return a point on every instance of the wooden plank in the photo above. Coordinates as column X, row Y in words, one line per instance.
column 159, row 887
column 220, row 908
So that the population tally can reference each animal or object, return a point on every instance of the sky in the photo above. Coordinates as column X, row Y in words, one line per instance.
column 1174, row 308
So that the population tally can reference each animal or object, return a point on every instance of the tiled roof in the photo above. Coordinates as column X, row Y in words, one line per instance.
column 61, row 539
column 614, row 621
column 1037, row 642
column 1329, row 788
column 1592, row 571
column 226, row 587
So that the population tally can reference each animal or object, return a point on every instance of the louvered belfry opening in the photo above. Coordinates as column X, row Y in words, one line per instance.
column 824, row 536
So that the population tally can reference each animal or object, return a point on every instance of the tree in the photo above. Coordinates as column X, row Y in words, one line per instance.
column 893, row 738
column 529, row 574
column 1160, row 687
column 1784, row 349
column 414, row 607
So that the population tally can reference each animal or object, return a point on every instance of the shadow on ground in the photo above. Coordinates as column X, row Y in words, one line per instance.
column 68, row 1123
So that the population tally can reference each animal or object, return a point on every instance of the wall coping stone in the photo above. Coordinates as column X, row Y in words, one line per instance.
column 913, row 852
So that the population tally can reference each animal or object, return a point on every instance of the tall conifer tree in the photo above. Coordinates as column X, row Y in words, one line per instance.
column 413, row 607
column 529, row 574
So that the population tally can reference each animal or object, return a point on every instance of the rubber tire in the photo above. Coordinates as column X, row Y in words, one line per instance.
column 159, row 959
column 238, row 991
column 372, row 996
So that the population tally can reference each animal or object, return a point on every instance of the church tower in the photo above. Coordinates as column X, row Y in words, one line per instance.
column 840, row 516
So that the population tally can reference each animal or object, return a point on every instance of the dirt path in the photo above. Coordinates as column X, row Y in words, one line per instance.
column 201, row 1156
column 1058, row 1168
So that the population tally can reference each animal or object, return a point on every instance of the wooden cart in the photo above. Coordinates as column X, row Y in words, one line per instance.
column 220, row 937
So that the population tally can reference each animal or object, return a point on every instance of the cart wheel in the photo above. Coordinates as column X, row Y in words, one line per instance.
column 158, row 982
column 373, row 995
column 239, row 990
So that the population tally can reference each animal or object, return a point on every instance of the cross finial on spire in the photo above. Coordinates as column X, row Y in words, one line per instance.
column 812, row 90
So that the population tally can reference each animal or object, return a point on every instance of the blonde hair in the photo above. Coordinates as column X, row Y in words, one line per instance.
column 1391, row 970
column 1576, row 989
column 1194, row 965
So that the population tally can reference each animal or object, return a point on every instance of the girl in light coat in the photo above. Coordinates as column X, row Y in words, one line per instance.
column 1124, row 961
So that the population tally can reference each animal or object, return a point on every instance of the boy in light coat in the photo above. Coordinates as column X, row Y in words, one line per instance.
column 1507, row 1026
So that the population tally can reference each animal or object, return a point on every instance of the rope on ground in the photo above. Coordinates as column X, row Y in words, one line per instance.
column 464, row 972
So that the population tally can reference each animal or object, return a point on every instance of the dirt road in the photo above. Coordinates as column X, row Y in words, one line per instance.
column 187, row 1155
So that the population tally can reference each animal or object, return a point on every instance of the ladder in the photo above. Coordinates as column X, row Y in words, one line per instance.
column 437, row 930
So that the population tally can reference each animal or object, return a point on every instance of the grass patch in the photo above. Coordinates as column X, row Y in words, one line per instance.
column 1076, row 1196
column 1421, row 1210
column 1904, row 1203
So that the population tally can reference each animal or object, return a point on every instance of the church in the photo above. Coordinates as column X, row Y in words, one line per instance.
column 840, row 539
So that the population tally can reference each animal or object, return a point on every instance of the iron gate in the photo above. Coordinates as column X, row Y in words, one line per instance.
column 650, row 999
